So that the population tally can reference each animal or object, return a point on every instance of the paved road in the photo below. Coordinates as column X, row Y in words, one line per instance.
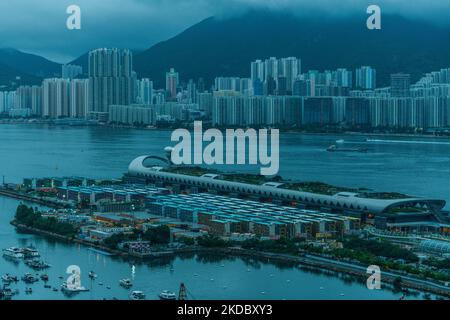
column 364, row 269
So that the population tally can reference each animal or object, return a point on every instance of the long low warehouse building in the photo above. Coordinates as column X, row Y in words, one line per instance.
column 226, row 215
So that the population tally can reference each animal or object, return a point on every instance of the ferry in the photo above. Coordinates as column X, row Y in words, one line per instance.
column 167, row 295
column 13, row 252
column 334, row 148
column 126, row 283
column 137, row 295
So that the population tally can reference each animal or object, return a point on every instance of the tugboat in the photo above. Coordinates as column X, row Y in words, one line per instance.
column 167, row 295
column 126, row 283
column 137, row 295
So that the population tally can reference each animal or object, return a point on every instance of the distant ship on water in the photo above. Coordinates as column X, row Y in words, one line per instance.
column 334, row 148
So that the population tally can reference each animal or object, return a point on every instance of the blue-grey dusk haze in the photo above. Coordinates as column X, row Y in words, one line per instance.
column 240, row 158
column 39, row 26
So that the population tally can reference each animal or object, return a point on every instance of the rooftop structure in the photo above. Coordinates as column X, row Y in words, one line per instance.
column 226, row 215
column 342, row 201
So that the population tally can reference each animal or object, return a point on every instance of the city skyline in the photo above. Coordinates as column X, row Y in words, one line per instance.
column 277, row 92
column 224, row 150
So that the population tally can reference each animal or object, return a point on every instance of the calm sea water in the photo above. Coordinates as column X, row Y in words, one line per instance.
column 415, row 166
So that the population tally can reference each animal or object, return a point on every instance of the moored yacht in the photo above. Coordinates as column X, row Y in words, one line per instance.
column 7, row 278
column 126, row 283
column 37, row 264
column 7, row 293
column 29, row 278
column 13, row 252
column 137, row 295
column 30, row 253
column 72, row 289
column 167, row 295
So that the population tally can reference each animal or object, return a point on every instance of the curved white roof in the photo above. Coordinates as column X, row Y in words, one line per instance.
column 347, row 200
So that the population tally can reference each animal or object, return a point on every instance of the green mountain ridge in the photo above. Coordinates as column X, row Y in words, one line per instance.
column 225, row 47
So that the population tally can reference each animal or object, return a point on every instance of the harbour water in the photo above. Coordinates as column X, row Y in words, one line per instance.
column 416, row 166
column 36, row 151
column 206, row 276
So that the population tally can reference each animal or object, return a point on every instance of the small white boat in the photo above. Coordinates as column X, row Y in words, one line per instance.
column 30, row 252
column 7, row 278
column 126, row 283
column 340, row 141
column 37, row 264
column 29, row 278
column 72, row 289
column 92, row 275
column 13, row 252
column 137, row 295
column 167, row 295
column 7, row 293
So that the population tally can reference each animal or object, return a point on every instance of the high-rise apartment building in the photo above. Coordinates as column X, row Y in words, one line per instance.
column 56, row 98
column 111, row 79
column 400, row 84
column 79, row 98
column 172, row 79
column 70, row 71
column 7, row 100
column 366, row 78
column 145, row 91
column 264, row 73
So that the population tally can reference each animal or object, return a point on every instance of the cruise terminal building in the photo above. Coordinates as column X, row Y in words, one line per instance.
column 384, row 212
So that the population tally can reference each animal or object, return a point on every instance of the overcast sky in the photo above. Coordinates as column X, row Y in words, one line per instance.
column 39, row 26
